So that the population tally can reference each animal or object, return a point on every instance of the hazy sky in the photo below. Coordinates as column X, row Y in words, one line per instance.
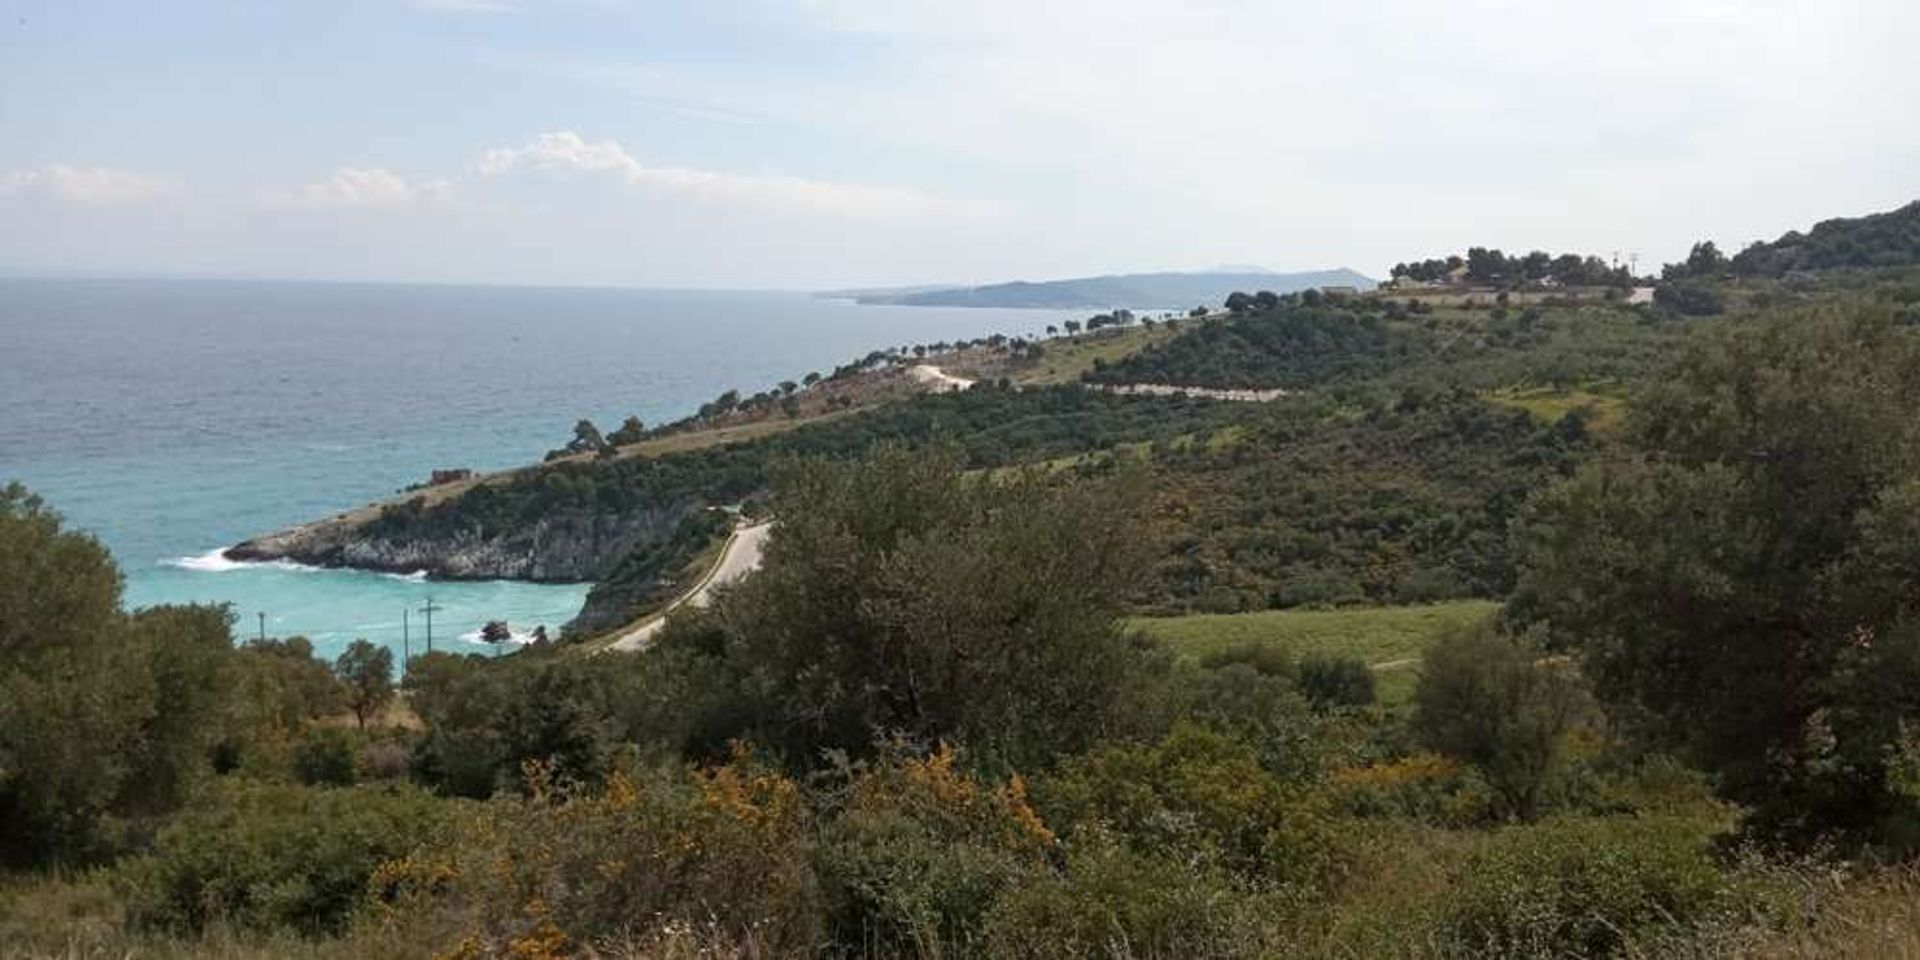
column 841, row 142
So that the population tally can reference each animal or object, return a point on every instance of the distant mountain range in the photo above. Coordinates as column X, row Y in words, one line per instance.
column 1137, row 291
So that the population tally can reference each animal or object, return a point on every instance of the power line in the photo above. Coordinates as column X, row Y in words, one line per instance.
column 428, row 610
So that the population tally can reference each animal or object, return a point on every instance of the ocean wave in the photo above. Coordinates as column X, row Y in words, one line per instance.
column 513, row 636
column 216, row 561
column 417, row 576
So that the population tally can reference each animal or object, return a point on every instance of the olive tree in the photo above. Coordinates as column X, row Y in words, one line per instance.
column 903, row 595
column 1742, row 583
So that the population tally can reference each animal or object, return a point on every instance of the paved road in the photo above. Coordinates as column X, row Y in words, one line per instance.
column 740, row 557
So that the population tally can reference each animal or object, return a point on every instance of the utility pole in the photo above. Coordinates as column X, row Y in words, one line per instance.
column 263, row 625
column 428, row 610
column 406, row 642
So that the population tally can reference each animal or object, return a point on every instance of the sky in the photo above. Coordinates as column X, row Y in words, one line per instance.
column 828, row 143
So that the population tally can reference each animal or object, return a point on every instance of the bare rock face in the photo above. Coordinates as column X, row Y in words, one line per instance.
column 562, row 548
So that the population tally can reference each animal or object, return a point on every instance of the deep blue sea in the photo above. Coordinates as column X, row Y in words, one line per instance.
column 172, row 418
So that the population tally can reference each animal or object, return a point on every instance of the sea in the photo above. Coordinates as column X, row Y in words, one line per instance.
column 174, row 418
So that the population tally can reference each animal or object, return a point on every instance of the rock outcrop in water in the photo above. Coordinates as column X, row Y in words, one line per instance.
column 560, row 548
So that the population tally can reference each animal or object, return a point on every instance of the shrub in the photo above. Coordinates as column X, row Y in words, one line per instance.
column 1116, row 901
column 1423, row 786
column 264, row 857
column 1262, row 710
column 1587, row 888
column 325, row 756
column 922, row 850
column 1490, row 700
column 1196, row 791
column 564, row 866
column 1688, row 297
column 1332, row 681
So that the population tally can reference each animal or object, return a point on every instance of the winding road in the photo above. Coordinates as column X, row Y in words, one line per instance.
column 739, row 557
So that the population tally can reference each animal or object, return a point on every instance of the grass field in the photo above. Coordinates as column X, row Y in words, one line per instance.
column 1390, row 639
column 1068, row 357
column 1549, row 404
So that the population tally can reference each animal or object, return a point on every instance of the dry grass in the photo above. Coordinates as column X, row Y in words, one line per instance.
column 1874, row 917
column 395, row 715
column 723, row 435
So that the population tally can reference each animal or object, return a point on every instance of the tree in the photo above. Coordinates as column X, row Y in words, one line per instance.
column 1266, row 300
column 587, row 438
column 1690, row 297
column 279, row 685
column 101, row 714
column 811, row 378
column 1741, row 587
column 988, row 612
column 631, row 431
column 1536, row 265
column 367, row 671
column 1073, row 327
column 1706, row 260
column 1052, row 330
column 1490, row 700
column 1238, row 302
column 1197, row 312
column 1486, row 266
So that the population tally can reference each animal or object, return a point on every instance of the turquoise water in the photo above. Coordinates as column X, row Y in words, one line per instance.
column 174, row 418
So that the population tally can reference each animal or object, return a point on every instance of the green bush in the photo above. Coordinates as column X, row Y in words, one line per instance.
column 1332, row 681
column 1493, row 701
column 1262, row 710
column 921, row 851
column 266, row 857
column 1114, row 901
column 1196, row 791
column 1586, row 888
column 325, row 756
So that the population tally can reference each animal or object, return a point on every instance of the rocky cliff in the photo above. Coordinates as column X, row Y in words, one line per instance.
column 557, row 548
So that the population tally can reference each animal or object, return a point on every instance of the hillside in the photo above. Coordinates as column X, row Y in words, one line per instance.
column 1876, row 240
column 1410, row 430
column 1137, row 291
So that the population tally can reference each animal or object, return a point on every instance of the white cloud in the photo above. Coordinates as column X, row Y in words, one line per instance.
column 94, row 186
column 561, row 152
column 565, row 153
column 368, row 187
